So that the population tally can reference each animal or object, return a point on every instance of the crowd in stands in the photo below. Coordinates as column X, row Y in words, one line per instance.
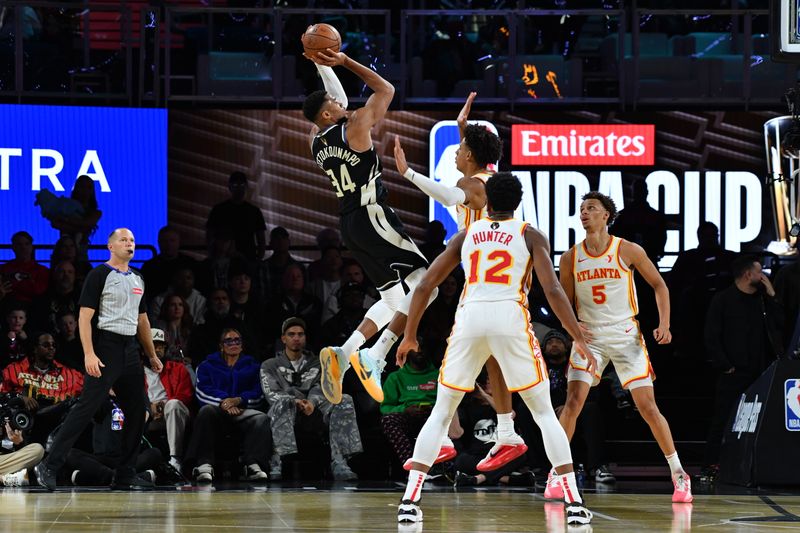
column 239, row 332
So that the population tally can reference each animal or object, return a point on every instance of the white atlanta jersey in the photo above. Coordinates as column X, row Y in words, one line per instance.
column 497, row 262
column 604, row 289
column 467, row 216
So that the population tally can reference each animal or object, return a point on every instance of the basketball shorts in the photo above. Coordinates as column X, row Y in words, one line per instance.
column 376, row 238
column 622, row 344
column 502, row 329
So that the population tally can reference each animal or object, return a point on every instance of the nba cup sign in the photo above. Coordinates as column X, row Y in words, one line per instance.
column 791, row 388
column 583, row 144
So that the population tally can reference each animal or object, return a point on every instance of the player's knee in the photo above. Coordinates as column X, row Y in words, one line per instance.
column 649, row 410
column 573, row 406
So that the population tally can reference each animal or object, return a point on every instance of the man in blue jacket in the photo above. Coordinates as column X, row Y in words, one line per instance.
column 229, row 390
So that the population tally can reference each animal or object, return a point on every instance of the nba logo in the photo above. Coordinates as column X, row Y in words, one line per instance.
column 444, row 141
column 791, row 388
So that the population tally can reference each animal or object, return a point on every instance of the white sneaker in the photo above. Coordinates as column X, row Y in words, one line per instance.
column 204, row 473
column 578, row 514
column 408, row 512
column 175, row 463
column 15, row 479
column 253, row 472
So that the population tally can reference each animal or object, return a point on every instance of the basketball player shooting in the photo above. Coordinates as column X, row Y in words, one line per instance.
column 597, row 275
column 500, row 254
column 341, row 145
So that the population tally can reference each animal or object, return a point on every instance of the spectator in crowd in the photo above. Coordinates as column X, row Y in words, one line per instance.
column 327, row 283
column 15, row 340
column 205, row 339
column 169, row 394
column 326, row 238
column 290, row 382
column 433, row 244
column 642, row 224
column 183, row 286
column 81, row 228
column 437, row 322
column 274, row 267
column 46, row 386
column 743, row 335
column 229, row 390
column 18, row 457
column 353, row 272
column 589, row 431
column 22, row 278
column 240, row 219
column 70, row 351
column 292, row 300
column 337, row 329
column 175, row 321
column 474, row 432
column 65, row 249
column 212, row 272
column 61, row 297
column 246, row 307
column 409, row 394
column 787, row 288
column 697, row 275
column 159, row 271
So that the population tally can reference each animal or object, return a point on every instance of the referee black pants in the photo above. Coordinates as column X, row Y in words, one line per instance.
column 123, row 372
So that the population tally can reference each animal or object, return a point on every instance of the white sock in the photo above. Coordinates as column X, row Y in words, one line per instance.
column 505, row 425
column 570, row 486
column 353, row 343
column 414, row 486
column 674, row 463
column 384, row 344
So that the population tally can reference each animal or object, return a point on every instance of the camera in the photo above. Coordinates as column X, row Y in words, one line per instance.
column 12, row 409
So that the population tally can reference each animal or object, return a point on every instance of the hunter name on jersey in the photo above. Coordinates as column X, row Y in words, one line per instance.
column 492, row 236
column 597, row 273
column 345, row 155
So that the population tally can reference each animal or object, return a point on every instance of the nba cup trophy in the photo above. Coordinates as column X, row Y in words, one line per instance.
column 782, row 141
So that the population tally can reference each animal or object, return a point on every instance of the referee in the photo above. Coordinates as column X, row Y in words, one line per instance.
column 112, row 315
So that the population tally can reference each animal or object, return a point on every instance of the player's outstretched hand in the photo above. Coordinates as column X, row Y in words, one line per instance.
column 327, row 57
column 399, row 156
column 584, row 353
column 406, row 345
column 464, row 114
column 662, row 334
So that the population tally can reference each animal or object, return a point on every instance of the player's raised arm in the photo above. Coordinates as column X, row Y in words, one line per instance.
column 443, row 194
column 441, row 267
column 464, row 114
column 635, row 256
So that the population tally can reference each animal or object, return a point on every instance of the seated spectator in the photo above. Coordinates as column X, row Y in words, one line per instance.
column 175, row 321
column 229, row 390
column 16, row 457
column 409, row 395
column 245, row 306
column 437, row 322
column 170, row 393
column 589, row 430
column 474, row 432
column 15, row 342
column 291, row 384
column 65, row 249
column 81, row 227
column 273, row 267
column 23, row 279
column 292, row 300
column 353, row 272
column 70, row 351
column 61, row 297
column 218, row 317
column 212, row 272
column 159, row 271
column 339, row 327
column 46, row 386
column 326, row 238
column 183, row 286
column 327, row 283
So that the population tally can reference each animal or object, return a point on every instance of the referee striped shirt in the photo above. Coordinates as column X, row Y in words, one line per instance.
column 117, row 298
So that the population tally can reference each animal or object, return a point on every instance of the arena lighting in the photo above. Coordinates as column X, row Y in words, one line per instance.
column 782, row 142
column 530, row 79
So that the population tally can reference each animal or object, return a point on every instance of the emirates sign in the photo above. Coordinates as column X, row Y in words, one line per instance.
column 583, row 144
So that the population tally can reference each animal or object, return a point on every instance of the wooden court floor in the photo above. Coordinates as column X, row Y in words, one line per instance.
column 347, row 509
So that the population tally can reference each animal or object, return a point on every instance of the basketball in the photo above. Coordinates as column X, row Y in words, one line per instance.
column 319, row 37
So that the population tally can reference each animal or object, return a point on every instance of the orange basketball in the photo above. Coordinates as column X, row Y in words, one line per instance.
column 319, row 37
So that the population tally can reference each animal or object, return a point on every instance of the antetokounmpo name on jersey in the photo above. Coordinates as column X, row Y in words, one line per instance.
column 338, row 152
column 598, row 273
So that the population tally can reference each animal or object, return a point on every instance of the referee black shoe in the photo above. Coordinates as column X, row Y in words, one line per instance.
column 45, row 477
column 128, row 479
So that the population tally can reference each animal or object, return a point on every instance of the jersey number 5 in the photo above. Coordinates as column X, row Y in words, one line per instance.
column 343, row 182
column 495, row 274
column 599, row 294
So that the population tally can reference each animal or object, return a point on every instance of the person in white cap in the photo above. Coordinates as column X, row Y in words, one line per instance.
column 169, row 394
